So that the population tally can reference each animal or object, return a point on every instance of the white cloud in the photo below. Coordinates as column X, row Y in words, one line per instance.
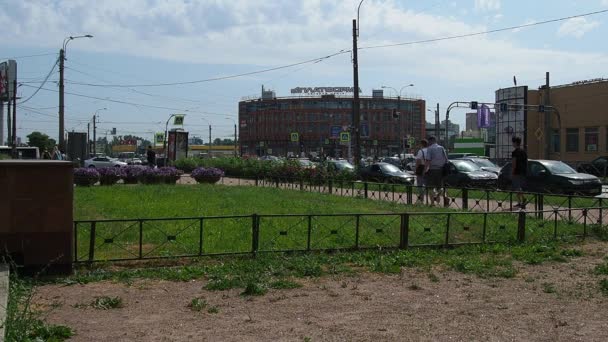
column 487, row 5
column 576, row 27
column 604, row 3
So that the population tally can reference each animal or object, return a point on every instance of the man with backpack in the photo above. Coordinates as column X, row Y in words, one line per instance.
column 436, row 170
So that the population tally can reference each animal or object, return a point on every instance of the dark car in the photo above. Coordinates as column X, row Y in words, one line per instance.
column 386, row 173
column 553, row 176
column 460, row 155
column 466, row 174
column 597, row 167
column 484, row 163
column 340, row 165
column 392, row 160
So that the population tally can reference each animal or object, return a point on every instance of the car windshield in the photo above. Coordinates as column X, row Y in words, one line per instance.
column 389, row 168
column 465, row 166
column 305, row 162
column 344, row 165
column 559, row 168
column 484, row 162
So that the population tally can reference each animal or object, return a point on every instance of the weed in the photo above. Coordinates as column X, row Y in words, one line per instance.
column 197, row 304
column 106, row 303
column 572, row 252
column 284, row 284
column 254, row 289
column 213, row 310
column 414, row 287
column 433, row 277
column 548, row 288
column 307, row 339
column 601, row 269
column 604, row 286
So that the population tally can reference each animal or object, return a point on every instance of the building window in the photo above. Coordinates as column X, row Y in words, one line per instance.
column 591, row 138
column 571, row 139
column 556, row 141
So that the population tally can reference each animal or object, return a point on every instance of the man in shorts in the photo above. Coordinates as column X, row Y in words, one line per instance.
column 519, row 168
column 436, row 159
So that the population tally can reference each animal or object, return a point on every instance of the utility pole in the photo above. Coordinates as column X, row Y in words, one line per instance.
column 356, row 114
column 235, row 146
column 61, row 106
column 14, row 141
column 437, row 123
column 94, row 135
column 9, row 124
column 1, row 122
column 88, row 139
column 548, row 132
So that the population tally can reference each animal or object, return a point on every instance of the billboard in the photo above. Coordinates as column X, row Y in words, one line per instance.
column 511, row 122
column 177, row 145
column 8, row 75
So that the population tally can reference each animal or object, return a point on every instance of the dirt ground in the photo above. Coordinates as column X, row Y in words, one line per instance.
column 548, row 302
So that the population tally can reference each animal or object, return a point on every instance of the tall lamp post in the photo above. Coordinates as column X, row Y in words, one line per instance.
column 356, row 120
column 235, row 136
column 209, row 147
column 61, row 86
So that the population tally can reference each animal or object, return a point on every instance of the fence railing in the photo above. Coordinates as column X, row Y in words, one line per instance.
column 150, row 238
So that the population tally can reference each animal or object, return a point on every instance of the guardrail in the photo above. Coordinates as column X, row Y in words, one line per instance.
column 152, row 238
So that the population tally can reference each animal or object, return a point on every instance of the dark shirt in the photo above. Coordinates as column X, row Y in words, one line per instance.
column 521, row 161
column 151, row 157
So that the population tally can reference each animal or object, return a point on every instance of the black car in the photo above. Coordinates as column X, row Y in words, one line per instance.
column 597, row 167
column 386, row 173
column 466, row 174
column 552, row 176
column 461, row 155
column 484, row 163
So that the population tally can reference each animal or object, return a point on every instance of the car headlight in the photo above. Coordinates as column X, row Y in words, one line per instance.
column 576, row 182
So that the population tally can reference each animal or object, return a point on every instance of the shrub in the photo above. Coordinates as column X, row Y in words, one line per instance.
column 131, row 173
column 187, row 165
column 166, row 175
column 207, row 175
column 150, row 176
column 85, row 176
column 109, row 175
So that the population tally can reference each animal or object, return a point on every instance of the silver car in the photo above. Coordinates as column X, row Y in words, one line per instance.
column 97, row 162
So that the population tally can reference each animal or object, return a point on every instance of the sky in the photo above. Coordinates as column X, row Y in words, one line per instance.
column 138, row 43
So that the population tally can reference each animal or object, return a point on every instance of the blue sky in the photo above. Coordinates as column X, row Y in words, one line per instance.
column 146, row 42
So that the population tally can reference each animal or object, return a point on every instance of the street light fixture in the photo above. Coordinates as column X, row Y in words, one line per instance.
column 399, row 105
column 61, row 86
column 235, row 136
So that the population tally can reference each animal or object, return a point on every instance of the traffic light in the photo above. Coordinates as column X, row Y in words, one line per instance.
column 474, row 105
column 395, row 114
column 541, row 108
column 113, row 131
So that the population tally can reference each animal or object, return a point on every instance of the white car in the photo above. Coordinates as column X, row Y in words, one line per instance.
column 103, row 162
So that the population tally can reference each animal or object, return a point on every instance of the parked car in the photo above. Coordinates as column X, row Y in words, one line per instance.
column 553, row 176
column 340, row 165
column 386, row 173
column 466, row 174
column 597, row 167
column 305, row 163
column 103, row 162
column 484, row 163
column 392, row 160
column 460, row 155
column 129, row 158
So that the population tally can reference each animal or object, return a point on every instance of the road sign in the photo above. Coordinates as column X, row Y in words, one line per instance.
column 326, row 141
column 178, row 120
column 159, row 138
column 344, row 136
column 539, row 134
column 411, row 141
column 294, row 137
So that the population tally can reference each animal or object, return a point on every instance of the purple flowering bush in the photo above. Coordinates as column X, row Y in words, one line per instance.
column 166, row 175
column 84, row 176
column 109, row 175
column 132, row 173
column 207, row 175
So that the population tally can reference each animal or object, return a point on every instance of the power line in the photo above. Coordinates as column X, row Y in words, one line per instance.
column 484, row 32
column 30, row 56
column 315, row 60
column 42, row 84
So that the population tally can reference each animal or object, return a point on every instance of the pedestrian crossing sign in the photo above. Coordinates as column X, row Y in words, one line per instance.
column 295, row 137
column 344, row 136
column 178, row 120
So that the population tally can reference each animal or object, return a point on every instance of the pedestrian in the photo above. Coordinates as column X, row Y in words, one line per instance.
column 519, row 169
column 436, row 169
column 57, row 154
column 46, row 154
column 151, row 157
column 420, row 167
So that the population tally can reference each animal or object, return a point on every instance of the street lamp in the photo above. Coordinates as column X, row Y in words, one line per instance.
column 399, row 106
column 233, row 121
column 209, row 147
column 356, row 114
column 61, row 86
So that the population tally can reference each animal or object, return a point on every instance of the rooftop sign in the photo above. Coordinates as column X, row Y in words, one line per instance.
column 324, row 90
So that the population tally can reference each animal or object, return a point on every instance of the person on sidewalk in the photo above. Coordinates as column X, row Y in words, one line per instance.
column 435, row 171
column 519, row 169
column 151, row 157
column 420, row 167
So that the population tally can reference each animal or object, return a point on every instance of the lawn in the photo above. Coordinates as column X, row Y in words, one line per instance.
column 212, row 219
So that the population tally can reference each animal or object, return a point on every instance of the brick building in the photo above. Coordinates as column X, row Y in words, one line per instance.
column 267, row 124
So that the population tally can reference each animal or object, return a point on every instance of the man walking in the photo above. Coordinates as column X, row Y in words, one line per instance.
column 420, row 167
column 435, row 171
column 519, row 169
column 151, row 157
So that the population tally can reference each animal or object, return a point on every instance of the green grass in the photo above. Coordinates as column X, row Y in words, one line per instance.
column 197, row 304
column 116, row 240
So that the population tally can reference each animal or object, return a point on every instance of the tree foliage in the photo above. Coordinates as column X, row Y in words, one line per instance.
column 41, row 140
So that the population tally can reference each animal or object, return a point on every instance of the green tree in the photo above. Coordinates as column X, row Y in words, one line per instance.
column 41, row 140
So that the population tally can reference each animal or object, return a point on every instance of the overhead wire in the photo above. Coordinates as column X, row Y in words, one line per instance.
column 42, row 84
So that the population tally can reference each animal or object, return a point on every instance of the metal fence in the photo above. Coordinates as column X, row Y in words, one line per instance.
column 138, row 239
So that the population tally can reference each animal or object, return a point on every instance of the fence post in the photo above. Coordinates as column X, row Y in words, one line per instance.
column 357, row 216
column 584, row 223
column 447, row 231
column 301, row 184
column 555, row 215
column 256, row 181
column 569, row 208
column 75, row 241
column 309, row 232
column 404, row 231
column 487, row 200
column 409, row 190
column 465, row 199
column 521, row 226
column 540, row 204
column 600, row 220
column 255, row 230
column 141, row 238
column 365, row 189
column 92, row 241
column 200, row 237
column 485, row 225
column 330, row 183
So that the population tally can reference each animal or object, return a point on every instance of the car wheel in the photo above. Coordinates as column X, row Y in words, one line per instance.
column 91, row 166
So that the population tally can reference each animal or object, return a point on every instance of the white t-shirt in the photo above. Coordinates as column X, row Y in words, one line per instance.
column 421, row 154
